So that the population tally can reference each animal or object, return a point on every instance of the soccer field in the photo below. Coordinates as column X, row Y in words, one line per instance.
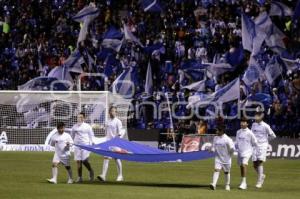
column 23, row 175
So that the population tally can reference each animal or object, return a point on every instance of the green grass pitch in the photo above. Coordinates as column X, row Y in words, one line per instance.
column 23, row 175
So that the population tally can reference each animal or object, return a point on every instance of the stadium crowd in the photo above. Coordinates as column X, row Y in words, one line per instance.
column 39, row 35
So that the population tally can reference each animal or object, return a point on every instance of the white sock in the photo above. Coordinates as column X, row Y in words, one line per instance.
column 54, row 173
column 105, row 167
column 215, row 177
column 244, row 180
column 119, row 167
column 260, row 171
column 227, row 179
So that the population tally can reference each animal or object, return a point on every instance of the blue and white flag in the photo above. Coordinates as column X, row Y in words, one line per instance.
column 280, row 9
column 157, row 46
column 227, row 93
column 274, row 40
column 151, row 6
column 125, row 83
column 291, row 64
column 255, row 32
column 252, row 74
column 112, row 39
column 218, row 69
column 44, row 84
column 235, row 56
column 149, row 81
column 113, row 33
column 273, row 70
column 88, row 12
column 129, row 36
column 85, row 16
column 74, row 61
column 250, row 40
column 60, row 73
column 196, row 86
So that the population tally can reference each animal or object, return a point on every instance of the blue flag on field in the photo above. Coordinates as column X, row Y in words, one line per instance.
column 280, row 9
column 131, row 151
column 151, row 5
column 273, row 70
column 228, row 93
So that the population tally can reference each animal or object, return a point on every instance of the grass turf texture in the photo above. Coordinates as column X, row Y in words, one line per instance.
column 23, row 175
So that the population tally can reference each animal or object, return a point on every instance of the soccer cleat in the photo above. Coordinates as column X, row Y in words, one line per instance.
column 101, row 178
column 212, row 186
column 79, row 180
column 243, row 186
column 70, row 181
column 52, row 181
column 227, row 187
column 120, row 179
column 92, row 176
column 261, row 181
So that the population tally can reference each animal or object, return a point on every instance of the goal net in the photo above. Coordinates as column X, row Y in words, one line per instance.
column 27, row 117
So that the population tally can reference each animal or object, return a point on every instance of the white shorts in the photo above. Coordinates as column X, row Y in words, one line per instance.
column 243, row 160
column 225, row 167
column 64, row 160
column 259, row 153
column 80, row 154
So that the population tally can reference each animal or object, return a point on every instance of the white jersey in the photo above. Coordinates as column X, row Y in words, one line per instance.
column 82, row 133
column 113, row 128
column 262, row 132
column 59, row 141
column 223, row 146
column 245, row 141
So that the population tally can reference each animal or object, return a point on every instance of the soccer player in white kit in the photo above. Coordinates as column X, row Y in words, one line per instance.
column 113, row 129
column 263, row 134
column 61, row 141
column 244, row 144
column 83, row 134
column 223, row 147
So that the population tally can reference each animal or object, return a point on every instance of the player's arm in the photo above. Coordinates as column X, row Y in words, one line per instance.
column 120, row 132
column 253, row 139
column 230, row 146
column 271, row 133
column 52, row 141
column 69, row 142
column 213, row 149
column 91, row 135
column 236, row 144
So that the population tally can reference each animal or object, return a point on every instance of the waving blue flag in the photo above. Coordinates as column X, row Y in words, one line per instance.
column 151, row 5
column 131, row 151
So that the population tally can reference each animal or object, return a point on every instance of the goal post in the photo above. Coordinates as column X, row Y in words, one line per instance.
column 27, row 117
